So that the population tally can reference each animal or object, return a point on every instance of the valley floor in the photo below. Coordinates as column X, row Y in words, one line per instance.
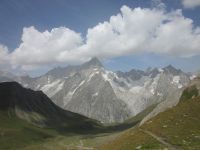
column 73, row 142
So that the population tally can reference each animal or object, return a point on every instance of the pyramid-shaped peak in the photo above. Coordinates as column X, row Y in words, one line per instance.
column 172, row 69
column 93, row 62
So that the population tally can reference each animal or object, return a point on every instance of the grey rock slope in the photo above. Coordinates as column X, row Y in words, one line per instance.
column 96, row 99
column 172, row 99
column 107, row 96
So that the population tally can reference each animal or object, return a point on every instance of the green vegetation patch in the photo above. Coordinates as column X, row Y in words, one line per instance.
column 16, row 133
column 180, row 125
column 189, row 93
column 133, row 139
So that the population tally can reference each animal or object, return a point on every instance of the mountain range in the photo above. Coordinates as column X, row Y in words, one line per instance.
column 110, row 97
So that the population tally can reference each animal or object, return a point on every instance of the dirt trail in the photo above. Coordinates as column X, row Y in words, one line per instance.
column 160, row 139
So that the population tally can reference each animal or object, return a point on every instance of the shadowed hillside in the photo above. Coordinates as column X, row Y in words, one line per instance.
column 35, row 107
column 29, row 116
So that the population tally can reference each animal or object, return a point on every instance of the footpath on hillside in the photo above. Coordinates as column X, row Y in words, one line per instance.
column 159, row 139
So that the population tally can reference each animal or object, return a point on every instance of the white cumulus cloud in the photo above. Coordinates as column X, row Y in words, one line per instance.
column 138, row 30
column 4, row 54
column 142, row 30
column 43, row 48
column 191, row 3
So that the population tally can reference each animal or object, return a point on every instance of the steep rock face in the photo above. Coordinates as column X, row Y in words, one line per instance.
column 153, row 87
column 107, row 96
column 88, row 93
column 96, row 99
column 171, row 85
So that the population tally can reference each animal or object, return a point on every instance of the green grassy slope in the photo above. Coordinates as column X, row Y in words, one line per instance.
column 92, row 140
column 178, row 126
column 16, row 133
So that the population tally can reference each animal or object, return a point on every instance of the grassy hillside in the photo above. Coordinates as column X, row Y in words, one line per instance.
column 16, row 133
column 176, row 128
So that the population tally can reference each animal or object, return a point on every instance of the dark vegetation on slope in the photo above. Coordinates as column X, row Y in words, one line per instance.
column 38, row 109
column 189, row 93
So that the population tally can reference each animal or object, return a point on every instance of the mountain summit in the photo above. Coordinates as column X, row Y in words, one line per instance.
column 172, row 70
column 93, row 62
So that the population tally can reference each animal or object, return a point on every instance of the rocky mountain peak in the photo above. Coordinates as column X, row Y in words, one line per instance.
column 93, row 62
column 172, row 70
column 153, row 73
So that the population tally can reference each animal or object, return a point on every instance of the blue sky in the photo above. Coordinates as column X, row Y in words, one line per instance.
column 78, row 16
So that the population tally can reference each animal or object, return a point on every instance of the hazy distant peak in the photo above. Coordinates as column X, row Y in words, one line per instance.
column 171, row 69
column 94, row 62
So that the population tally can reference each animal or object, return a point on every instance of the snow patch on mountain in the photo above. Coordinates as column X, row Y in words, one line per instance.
column 192, row 77
column 136, row 89
column 38, row 86
column 95, row 94
column 160, row 70
column 82, row 82
column 176, row 80
column 133, row 93
column 52, row 88
column 180, row 86
column 106, row 75
column 92, row 74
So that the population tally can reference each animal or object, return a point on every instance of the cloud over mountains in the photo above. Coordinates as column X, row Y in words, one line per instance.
column 138, row 30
